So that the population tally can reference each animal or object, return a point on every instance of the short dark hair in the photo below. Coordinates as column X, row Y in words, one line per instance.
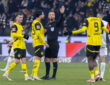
column 101, row 13
column 19, row 13
column 51, row 11
column 37, row 13
column 89, row 13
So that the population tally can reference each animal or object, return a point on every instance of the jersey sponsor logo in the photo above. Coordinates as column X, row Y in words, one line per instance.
column 37, row 26
column 52, row 29
column 14, row 29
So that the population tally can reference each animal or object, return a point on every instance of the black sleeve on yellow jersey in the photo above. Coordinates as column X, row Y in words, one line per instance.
column 14, row 28
column 102, row 24
column 37, row 26
column 85, row 23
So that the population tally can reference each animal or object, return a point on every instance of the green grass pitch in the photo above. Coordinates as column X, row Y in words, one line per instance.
column 68, row 74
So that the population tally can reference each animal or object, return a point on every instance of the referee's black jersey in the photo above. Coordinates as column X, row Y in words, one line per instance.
column 53, row 29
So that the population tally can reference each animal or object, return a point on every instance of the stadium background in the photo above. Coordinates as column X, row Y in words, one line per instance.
column 75, row 13
column 68, row 73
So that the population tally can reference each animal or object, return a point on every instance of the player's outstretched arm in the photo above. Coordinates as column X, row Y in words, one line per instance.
column 105, row 29
column 83, row 29
column 61, row 18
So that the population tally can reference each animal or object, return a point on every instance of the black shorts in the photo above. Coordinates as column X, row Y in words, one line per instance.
column 19, row 53
column 39, row 51
column 92, row 50
column 52, row 51
column 9, row 49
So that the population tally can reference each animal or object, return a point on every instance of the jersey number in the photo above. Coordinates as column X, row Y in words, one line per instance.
column 96, row 26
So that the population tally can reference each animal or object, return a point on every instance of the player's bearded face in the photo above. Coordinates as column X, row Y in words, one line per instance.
column 51, row 16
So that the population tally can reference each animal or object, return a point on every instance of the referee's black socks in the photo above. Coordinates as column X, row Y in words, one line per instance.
column 47, row 65
column 55, row 66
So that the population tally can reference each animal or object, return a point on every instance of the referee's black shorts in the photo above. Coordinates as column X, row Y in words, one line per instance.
column 92, row 50
column 52, row 51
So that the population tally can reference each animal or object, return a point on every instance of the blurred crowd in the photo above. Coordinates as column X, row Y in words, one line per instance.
column 75, row 12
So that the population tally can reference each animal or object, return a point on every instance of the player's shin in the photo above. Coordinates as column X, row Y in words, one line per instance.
column 36, row 67
column 24, row 68
column 103, row 64
column 47, row 64
column 13, row 64
column 91, row 67
column 96, row 70
column 55, row 66
column 8, row 63
column 91, row 74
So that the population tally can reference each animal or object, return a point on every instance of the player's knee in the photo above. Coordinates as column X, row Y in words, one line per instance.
column 38, row 58
column 47, row 59
column 11, row 56
column 23, row 60
column 17, row 61
column 103, row 59
column 54, row 59
column 91, row 67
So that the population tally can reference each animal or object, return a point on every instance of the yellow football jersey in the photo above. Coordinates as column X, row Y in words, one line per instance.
column 37, row 33
column 93, row 25
column 18, row 37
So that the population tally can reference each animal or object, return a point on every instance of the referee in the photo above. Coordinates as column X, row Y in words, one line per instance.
column 52, row 39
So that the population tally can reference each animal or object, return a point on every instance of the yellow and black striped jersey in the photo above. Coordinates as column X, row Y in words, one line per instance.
column 18, row 37
column 93, row 25
column 37, row 33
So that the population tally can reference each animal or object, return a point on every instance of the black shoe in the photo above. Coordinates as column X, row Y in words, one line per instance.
column 101, row 79
column 52, row 78
column 45, row 78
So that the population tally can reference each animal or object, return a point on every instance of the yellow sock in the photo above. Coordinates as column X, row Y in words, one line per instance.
column 92, row 74
column 96, row 70
column 24, row 68
column 35, row 67
column 13, row 64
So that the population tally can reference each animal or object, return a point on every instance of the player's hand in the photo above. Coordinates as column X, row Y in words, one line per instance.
column 26, row 36
column 62, row 9
column 5, row 40
column 45, row 30
column 9, row 44
column 47, row 45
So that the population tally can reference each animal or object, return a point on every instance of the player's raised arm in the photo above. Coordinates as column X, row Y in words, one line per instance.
column 62, row 10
